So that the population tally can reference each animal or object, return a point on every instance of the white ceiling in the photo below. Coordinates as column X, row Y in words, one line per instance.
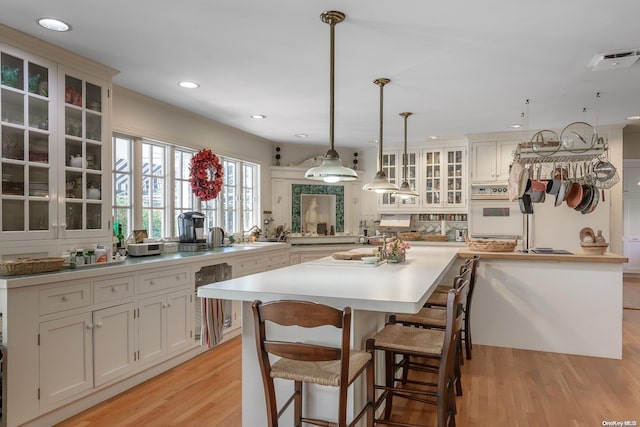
column 460, row 66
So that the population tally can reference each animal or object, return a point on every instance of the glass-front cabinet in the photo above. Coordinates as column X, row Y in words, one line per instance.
column 27, row 132
column 54, row 150
column 86, row 147
column 444, row 178
column 392, row 163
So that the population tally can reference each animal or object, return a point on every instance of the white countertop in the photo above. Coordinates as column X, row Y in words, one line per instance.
column 400, row 287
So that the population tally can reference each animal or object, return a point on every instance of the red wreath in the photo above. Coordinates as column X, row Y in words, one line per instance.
column 206, row 175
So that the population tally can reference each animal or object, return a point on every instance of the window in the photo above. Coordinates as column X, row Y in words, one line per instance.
column 183, row 197
column 122, row 188
column 152, row 188
column 154, row 179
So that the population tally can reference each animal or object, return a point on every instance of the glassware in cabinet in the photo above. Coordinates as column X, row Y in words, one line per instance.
column 27, row 176
column 85, row 150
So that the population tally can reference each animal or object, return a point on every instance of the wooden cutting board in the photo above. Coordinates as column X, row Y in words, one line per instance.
column 353, row 255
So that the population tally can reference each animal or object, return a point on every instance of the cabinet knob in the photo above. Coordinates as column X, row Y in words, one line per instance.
column 168, row 304
column 151, row 282
column 99, row 324
column 89, row 326
column 164, row 305
column 64, row 298
column 114, row 290
column 178, row 277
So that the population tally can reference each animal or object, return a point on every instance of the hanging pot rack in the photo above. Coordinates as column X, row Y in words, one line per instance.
column 539, row 150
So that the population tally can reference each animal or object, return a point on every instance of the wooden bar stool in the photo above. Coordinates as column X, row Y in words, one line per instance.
column 310, row 363
column 435, row 318
column 440, row 345
column 438, row 300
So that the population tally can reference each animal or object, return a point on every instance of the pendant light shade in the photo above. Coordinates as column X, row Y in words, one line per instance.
column 331, row 169
column 405, row 191
column 380, row 183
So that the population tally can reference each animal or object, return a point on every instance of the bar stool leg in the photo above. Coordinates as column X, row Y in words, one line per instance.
column 389, row 358
column 297, row 404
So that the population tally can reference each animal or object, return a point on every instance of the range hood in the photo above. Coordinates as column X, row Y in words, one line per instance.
column 396, row 221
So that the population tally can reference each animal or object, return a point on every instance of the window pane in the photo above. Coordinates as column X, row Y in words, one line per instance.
column 122, row 160
column 121, row 188
column 158, row 161
column 146, row 191
column 158, row 192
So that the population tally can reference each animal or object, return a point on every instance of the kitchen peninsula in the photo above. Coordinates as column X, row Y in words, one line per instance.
column 371, row 291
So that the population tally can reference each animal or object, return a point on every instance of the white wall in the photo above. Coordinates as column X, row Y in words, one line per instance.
column 139, row 115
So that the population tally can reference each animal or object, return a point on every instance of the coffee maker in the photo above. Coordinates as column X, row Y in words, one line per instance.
column 191, row 227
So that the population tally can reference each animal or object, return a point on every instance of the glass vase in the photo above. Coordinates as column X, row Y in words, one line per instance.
column 395, row 258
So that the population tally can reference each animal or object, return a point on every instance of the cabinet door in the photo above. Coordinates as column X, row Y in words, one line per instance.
column 66, row 358
column 390, row 168
column 113, row 342
column 455, row 185
column 432, row 178
column 152, row 342
column 85, row 154
column 504, row 159
column 28, row 152
column 179, row 322
column 483, row 162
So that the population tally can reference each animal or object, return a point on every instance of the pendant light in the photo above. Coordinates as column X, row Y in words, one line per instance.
column 380, row 184
column 331, row 169
column 405, row 191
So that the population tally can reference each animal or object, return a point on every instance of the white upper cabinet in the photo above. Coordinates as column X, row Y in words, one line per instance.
column 28, row 133
column 490, row 161
column 55, row 151
column 392, row 165
column 437, row 174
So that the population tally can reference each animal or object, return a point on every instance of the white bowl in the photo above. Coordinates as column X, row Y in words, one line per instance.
column 370, row 259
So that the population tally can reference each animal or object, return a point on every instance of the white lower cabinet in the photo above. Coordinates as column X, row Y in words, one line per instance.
column 164, row 325
column 75, row 338
column 84, row 351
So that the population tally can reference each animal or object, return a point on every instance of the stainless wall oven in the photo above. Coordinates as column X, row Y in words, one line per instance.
column 492, row 215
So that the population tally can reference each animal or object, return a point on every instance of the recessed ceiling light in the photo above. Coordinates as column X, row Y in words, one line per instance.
column 258, row 116
column 54, row 24
column 301, row 135
column 189, row 85
column 633, row 118
column 433, row 137
column 514, row 126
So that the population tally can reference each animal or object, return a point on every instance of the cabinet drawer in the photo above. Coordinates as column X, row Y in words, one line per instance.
column 112, row 289
column 276, row 261
column 164, row 279
column 248, row 265
column 53, row 300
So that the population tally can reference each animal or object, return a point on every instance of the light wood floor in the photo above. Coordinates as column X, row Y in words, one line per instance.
column 503, row 387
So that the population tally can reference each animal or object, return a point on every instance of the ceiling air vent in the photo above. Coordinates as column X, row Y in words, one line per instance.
column 613, row 61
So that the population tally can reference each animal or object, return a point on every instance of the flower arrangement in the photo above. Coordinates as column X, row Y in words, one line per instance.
column 206, row 175
column 396, row 249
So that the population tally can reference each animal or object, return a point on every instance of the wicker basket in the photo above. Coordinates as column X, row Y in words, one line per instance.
column 594, row 248
column 491, row 245
column 434, row 238
column 30, row 266
column 409, row 236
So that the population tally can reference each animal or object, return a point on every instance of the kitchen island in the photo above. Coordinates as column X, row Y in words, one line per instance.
column 371, row 291
column 562, row 303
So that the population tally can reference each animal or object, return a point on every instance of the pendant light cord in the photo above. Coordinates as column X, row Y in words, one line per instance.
column 332, row 48
column 381, row 82
column 405, row 156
